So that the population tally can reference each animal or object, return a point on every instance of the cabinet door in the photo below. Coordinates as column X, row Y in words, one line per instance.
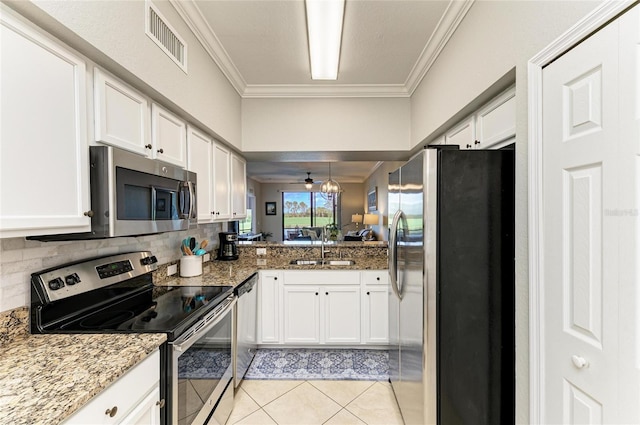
column 341, row 314
column 375, row 306
column 43, row 134
column 301, row 314
column 221, row 182
column 200, row 161
column 121, row 115
column 462, row 135
column 238, row 187
column 269, row 305
column 496, row 122
column 147, row 412
column 169, row 135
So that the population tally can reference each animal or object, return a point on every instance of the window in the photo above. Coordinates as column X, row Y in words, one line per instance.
column 306, row 209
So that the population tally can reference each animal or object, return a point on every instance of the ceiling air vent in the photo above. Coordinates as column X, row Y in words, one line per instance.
column 159, row 30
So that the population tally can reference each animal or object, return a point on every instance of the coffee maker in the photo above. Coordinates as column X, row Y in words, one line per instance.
column 228, row 249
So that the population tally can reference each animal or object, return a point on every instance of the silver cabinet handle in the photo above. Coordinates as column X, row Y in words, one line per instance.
column 579, row 361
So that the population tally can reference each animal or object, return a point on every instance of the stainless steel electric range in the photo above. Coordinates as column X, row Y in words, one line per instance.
column 115, row 294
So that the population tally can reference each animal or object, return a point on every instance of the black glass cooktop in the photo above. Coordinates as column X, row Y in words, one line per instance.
column 147, row 308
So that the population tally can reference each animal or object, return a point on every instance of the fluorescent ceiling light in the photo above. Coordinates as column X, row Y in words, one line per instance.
column 324, row 29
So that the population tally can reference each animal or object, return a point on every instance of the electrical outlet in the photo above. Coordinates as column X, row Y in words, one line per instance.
column 261, row 251
column 172, row 269
column 206, row 257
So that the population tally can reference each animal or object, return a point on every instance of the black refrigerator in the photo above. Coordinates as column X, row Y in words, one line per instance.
column 452, row 287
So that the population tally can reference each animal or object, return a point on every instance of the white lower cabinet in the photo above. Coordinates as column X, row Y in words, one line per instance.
column 375, row 307
column 132, row 399
column 269, row 306
column 301, row 314
column 314, row 307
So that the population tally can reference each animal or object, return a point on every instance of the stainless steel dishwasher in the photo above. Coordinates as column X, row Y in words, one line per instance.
column 245, row 338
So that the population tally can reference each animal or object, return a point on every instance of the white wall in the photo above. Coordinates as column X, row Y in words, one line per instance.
column 494, row 38
column 344, row 124
column 112, row 33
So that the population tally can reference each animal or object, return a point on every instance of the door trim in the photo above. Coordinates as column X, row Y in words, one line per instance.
column 600, row 16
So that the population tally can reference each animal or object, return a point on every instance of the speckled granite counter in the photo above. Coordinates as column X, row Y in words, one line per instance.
column 45, row 378
column 366, row 255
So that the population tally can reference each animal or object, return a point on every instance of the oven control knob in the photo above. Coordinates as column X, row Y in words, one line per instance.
column 149, row 260
column 72, row 279
column 56, row 284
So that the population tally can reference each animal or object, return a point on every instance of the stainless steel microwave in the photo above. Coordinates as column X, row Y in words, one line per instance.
column 132, row 195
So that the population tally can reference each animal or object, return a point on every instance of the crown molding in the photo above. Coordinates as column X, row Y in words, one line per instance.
column 337, row 90
column 191, row 14
column 452, row 17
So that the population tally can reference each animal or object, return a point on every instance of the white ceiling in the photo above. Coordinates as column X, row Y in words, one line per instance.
column 261, row 46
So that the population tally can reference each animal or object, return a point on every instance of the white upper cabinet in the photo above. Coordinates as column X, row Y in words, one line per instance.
column 169, row 136
column 121, row 115
column 200, row 161
column 221, row 182
column 492, row 127
column 238, row 187
column 463, row 134
column 496, row 122
column 44, row 165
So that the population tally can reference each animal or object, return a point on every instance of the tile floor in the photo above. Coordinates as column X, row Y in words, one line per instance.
column 314, row 402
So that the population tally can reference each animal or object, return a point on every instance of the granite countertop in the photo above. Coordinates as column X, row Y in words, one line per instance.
column 233, row 273
column 46, row 378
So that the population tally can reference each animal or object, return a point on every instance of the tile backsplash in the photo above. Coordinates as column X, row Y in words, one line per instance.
column 20, row 257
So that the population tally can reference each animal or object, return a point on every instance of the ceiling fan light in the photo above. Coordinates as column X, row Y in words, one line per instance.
column 308, row 182
column 324, row 31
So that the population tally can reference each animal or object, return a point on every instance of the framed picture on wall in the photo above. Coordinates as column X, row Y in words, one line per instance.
column 372, row 199
column 270, row 208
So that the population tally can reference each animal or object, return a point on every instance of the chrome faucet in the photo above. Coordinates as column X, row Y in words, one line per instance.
column 322, row 250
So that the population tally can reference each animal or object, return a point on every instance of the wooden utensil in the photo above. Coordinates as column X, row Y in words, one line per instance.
column 204, row 244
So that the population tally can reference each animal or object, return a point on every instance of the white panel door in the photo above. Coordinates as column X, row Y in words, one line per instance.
column 375, row 306
column 341, row 312
column 581, row 182
column 629, row 217
column 44, row 165
column 200, row 161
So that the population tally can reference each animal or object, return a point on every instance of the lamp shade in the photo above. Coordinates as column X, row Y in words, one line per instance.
column 356, row 218
column 370, row 219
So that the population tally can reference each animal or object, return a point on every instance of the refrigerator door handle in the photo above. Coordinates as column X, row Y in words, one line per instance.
column 393, row 253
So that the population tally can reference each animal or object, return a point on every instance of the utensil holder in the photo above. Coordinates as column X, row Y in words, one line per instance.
column 190, row 265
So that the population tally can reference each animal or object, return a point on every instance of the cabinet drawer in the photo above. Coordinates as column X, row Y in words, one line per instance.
column 375, row 277
column 125, row 394
column 318, row 277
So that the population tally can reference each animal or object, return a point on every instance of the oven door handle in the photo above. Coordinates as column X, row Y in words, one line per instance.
column 203, row 326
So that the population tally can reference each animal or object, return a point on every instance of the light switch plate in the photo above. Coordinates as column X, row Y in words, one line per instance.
column 172, row 269
column 206, row 257
column 261, row 251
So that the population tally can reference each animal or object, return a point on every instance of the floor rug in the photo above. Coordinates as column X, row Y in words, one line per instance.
column 203, row 364
column 330, row 364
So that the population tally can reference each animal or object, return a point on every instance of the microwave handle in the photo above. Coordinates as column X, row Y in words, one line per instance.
column 189, row 214
column 154, row 197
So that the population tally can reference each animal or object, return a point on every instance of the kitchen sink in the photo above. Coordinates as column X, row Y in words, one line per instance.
column 323, row 262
